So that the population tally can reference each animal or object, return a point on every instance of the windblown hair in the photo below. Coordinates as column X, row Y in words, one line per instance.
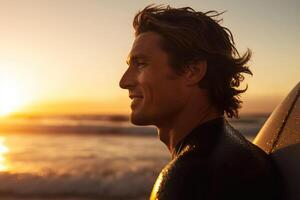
column 189, row 37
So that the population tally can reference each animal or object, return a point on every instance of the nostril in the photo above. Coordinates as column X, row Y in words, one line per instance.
column 123, row 83
column 127, row 80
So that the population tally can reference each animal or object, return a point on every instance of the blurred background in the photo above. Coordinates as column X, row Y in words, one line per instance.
column 64, row 130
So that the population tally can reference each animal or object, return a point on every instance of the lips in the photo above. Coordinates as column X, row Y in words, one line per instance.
column 136, row 99
column 135, row 96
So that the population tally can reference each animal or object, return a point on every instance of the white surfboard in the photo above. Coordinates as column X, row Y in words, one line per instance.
column 280, row 137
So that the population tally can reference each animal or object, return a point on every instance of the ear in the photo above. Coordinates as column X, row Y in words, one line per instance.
column 195, row 72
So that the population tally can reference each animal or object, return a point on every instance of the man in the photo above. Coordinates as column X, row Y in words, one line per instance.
column 183, row 75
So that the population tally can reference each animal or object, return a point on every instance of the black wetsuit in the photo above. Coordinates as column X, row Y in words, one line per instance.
column 215, row 162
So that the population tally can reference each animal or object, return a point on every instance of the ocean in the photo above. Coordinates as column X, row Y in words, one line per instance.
column 85, row 157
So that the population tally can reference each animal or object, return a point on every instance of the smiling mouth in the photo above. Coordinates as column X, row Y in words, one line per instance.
column 135, row 97
column 135, row 100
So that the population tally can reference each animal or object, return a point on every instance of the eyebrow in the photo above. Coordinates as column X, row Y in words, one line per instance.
column 135, row 58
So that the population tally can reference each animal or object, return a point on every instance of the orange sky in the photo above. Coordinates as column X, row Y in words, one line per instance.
column 67, row 56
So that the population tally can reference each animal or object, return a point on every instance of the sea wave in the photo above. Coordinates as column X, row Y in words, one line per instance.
column 125, row 185
column 104, row 124
column 84, row 124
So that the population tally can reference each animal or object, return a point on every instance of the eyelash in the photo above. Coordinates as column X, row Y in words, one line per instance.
column 140, row 64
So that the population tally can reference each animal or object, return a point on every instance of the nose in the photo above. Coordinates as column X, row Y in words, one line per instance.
column 128, row 80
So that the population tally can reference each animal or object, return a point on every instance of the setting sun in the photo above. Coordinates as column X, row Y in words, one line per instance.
column 10, row 96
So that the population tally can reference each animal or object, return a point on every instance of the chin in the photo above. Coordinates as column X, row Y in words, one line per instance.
column 139, row 119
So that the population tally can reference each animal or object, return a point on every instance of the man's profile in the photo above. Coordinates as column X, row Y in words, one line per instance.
column 183, row 77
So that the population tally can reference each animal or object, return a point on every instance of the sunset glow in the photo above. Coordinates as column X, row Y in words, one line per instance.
column 10, row 96
column 70, row 56
column 3, row 150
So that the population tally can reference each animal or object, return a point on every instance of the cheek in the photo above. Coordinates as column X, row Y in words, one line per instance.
column 168, row 97
column 148, row 84
column 158, row 89
column 164, row 95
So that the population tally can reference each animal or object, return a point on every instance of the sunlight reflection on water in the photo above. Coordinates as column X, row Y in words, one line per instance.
column 3, row 151
column 100, row 166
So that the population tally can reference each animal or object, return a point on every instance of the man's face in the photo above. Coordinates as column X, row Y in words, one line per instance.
column 157, row 92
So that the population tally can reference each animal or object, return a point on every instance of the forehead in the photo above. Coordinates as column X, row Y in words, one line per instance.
column 146, row 45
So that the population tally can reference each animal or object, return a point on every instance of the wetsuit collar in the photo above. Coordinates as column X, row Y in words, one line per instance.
column 203, row 135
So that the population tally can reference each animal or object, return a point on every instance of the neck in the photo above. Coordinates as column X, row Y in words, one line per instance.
column 172, row 132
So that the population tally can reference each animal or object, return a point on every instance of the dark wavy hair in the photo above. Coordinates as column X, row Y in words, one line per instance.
column 189, row 37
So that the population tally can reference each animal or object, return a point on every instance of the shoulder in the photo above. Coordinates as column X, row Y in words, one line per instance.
column 236, row 153
column 183, row 178
column 231, row 168
column 239, row 167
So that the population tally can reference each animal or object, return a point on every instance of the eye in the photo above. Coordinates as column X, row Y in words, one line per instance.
column 140, row 64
